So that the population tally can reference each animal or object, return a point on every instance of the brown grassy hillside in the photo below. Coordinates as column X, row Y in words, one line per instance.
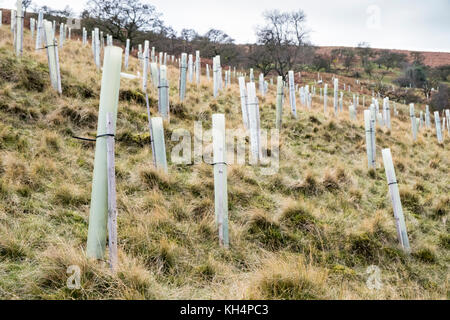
column 308, row 232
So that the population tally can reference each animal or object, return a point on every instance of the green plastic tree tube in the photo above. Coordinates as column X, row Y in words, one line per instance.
column 109, row 99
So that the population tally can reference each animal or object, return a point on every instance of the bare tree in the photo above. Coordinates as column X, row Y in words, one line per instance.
column 123, row 19
column 349, row 58
column 216, row 42
column 53, row 14
column 25, row 5
column 365, row 53
column 417, row 57
column 260, row 59
column 283, row 36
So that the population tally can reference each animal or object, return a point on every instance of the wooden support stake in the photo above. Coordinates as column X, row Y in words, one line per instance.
column 112, row 206
column 395, row 198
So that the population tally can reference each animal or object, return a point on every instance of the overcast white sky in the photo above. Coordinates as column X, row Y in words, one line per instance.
column 398, row 24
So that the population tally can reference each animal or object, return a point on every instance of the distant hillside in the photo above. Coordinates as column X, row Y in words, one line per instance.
column 432, row 59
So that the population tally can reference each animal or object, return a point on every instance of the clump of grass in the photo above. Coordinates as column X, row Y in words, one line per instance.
column 70, row 196
column 288, row 279
column 206, row 271
column 299, row 218
column 442, row 207
column 133, row 139
column 153, row 178
column 165, row 256
column 266, row 231
column 330, row 182
column 136, row 96
column 179, row 210
column 364, row 247
column 12, row 248
column 26, row 74
column 425, row 255
column 434, row 163
column 77, row 90
column 202, row 208
column 411, row 200
column 180, row 110
column 52, row 142
column 309, row 186
column 77, row 115
column 444, row 241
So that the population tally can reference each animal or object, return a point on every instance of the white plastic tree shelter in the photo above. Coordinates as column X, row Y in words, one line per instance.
column 254, row 123
column 335, row 101
column 197, row 67
column 159, row 143
column 163, row 92
column 183, row 75
column 52, row 55
column 292, row 93
column 217, row 75
column 96, row 42
column 190, row 68
column 243, row 96
column 413, row 121
column 427, row 117
column 447, row 116
column 261, row 84
column 32, row 27
column 40, row 30
column 146, row 66
column 396, row 202
column 127, row 53
column 438, row 127
column 370, row 139
column 19, row 29
column 220, row 178
column 279, row 114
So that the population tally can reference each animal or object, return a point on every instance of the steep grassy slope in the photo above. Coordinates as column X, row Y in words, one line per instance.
column 308, row 232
